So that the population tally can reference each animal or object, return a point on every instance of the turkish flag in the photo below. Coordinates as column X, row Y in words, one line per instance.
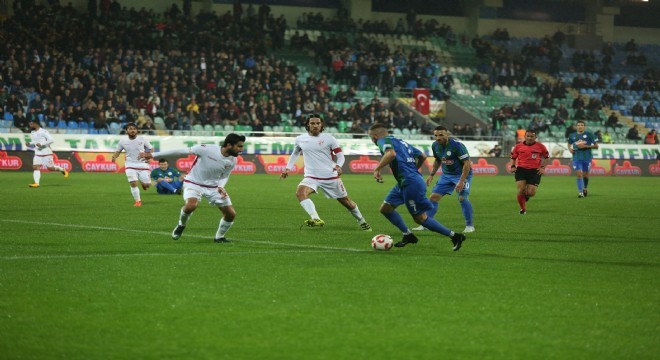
column 422, row 101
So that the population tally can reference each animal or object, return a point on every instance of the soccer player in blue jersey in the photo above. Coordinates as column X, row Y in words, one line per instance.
column 410, row 188
column 456, row 165
column 580, row 144
column 168, row 180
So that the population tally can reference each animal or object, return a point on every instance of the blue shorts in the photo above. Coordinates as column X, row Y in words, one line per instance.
column 162, row 190
column 447, row 183
column 413, row 195
column 583, row 165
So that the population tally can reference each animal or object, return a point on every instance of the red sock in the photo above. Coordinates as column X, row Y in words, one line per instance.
column 522, row 202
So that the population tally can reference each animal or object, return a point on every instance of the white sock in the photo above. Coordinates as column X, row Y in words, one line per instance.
column 183, row 218
column 223, row 228
column 308, row 205
column 358, row 215
column 36, row 174
column 136, row 193
column 58, row 168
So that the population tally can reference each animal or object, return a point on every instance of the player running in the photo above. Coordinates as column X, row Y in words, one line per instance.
column 43, row 154
column 528, row 161
column 321, row 171
column 410, row 189
column 137, row 169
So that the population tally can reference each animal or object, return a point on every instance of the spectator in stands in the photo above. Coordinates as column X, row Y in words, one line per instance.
column 558, row 119
column 651, row 110
column 580, row 114
column 637, row 109
column 651, row 138
column 613, row 122
column 607, row 138
column 598, row 135
column 478, row 131
column 569, row 130
column 633, row 134
column 21, row 122
column 496, row 151
column 520, row 134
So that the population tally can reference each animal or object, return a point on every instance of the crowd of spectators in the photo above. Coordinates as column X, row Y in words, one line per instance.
column 134, row 65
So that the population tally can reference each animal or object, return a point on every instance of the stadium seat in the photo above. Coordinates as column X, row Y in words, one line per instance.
column 9, row 116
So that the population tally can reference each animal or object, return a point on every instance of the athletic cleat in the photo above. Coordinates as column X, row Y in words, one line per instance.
column 523, row 212
column 65, row 173
column 138, row 203
column 584, row 192
column 314, row 223
column 178, row 230
column 580, row 195
column 468, row 229
column 457, row 240
column 419, row 228
column 365, row 227
column 222, row 240
column 33, row 185
column 407, row 239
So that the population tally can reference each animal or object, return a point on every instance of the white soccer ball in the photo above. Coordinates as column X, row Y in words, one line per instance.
column 382, row 242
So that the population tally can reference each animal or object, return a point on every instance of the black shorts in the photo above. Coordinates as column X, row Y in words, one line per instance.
column 530, row 175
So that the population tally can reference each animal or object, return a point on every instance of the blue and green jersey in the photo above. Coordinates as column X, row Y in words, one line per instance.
column 404, row 166
column 451, row 156
column 581, row 154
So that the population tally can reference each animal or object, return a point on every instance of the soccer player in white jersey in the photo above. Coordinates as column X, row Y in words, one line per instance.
column 43, row 154
column 136, row 169
column 321, row 171
column 207, row 178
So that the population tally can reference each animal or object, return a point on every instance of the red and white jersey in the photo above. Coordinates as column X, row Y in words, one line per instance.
column 318, row 152
column 43, row 138
column 210, row 168
column 133, row 148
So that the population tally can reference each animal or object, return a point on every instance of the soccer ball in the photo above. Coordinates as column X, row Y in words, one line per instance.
column 382, row 242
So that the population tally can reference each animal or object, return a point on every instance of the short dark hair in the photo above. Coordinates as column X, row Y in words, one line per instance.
column 440, row 127
column 131, row 124
column 581, row 121
column 162, row 160
column 233, row 139
column 377, row 126
column 530, row 131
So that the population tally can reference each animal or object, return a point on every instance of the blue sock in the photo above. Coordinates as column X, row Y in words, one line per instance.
column 586, row 181
column 396, row 220
column 431, row 213
column 466, row 206
column 167, row 186
column 433, row 225
column 580, row 183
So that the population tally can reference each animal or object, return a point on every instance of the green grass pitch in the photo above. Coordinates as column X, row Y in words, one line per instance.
column 85, row 275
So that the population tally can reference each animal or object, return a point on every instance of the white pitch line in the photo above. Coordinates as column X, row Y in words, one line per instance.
column 82, row 256
column 105, row 228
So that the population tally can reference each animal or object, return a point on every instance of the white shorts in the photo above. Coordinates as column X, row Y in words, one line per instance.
column 332, row 189
column 211, row 194
column 143, row 175
column 43, row 160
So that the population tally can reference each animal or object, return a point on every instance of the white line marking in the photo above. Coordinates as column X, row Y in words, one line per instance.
column 105, row 228
column 82, row 256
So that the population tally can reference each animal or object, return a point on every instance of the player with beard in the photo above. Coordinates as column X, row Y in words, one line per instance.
column 321, row 171
column 207, row 178
column 136, row 168
column 43, row 154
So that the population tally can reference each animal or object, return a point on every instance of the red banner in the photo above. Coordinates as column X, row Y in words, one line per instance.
column 422, row 100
